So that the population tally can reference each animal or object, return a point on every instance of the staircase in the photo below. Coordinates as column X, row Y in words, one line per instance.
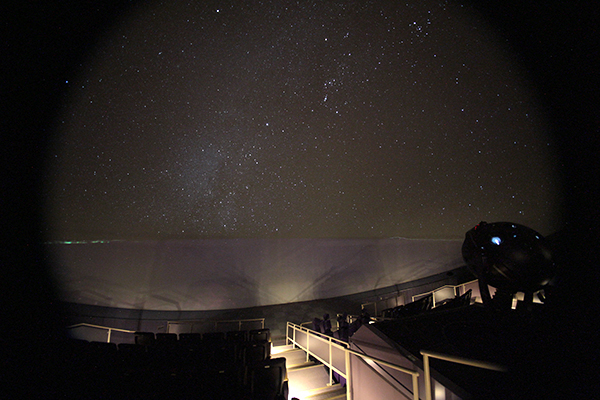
column 307, row 380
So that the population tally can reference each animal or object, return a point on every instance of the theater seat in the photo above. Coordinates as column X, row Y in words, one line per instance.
column 237, row 336
column 144, row 338
column 253, row 352
column 166, row 338
column 190, row 340
column 213, row 337
column 414, row 308
column 267, row 380
column 260, row 335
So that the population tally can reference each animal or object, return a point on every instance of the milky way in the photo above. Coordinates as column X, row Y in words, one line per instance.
column 317, row 119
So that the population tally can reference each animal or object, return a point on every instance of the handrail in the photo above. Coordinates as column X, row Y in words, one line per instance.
column 383, row 362
column 422, row 294
column 331, row 344
column 351, row 318
column 239, row 321
column 443, row 287
column 108, row 328
column 193, row 321
column 319, row 334
column 335, row 343
column 362, row 306
column 306, row 323
column 459, row 360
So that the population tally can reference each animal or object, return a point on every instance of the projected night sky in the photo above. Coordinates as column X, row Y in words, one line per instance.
column 309, row 119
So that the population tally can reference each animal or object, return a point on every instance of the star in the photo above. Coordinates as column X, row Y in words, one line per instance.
column 383, row 120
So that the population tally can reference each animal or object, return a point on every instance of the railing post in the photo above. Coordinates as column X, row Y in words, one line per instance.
column 427, row 377
column 108, row 336
column 415, row 381
column 307, row 346
column 348, row 374
column 330, row 365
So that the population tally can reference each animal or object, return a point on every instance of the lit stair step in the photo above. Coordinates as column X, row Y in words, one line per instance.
column 303, row 380
column 292, row 357
column 281, row 348
column 333, row 392
column 307, row 379
column 279, row 341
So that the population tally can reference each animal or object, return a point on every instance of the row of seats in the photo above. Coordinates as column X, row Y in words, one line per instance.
column 425, row 304
column 410, row 309
column 191, row 366
column 152, row 339
column 458, row 301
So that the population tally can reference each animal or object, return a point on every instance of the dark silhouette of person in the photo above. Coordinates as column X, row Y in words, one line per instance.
column 343, row 327
column 316, row 324
column 326, row 325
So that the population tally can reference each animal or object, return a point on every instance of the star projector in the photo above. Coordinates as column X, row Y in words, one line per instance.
column 510, row 257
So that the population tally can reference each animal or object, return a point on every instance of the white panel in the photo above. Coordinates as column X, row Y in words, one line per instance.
column 439, row 391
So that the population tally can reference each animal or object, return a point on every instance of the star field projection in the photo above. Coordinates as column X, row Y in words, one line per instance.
column 308, row 119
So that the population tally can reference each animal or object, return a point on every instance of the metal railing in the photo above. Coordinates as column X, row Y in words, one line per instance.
column 335, row 323
column 459, row 360
column 240, row 322
column 453, row 287
column 323, row 348
column 330, row 351
column 457, row 289
column 204, row 322
column 370, row 303
column 108, row 329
